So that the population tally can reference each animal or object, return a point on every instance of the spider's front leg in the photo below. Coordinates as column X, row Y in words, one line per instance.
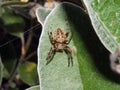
column 69, row 53
column 50, row 55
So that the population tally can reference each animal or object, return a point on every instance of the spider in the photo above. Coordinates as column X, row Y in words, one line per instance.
column 59, row 44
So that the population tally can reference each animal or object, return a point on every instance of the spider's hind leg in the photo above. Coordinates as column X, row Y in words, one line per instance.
column 51, row 37
column 69, row 54
column 68, row 41
column 50, row 55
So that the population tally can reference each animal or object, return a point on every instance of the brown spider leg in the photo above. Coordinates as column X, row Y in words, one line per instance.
column 67, row 33
column 69, row 53
column 51, row 37
column 68, row 41
column 50, row 55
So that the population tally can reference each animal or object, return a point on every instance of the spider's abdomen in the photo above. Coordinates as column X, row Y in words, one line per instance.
column 59, row 36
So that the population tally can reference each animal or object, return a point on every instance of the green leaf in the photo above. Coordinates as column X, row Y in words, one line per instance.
column 42, row 13
column 13, row 24
column 57, row 75
column 105, row 18
column 34, row 88
column 28, row 73
column 1, row 71
column 91, row 67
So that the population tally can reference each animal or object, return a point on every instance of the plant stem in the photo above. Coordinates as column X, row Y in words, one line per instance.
column 29, row 40
column 24, row 49
column 31, row 55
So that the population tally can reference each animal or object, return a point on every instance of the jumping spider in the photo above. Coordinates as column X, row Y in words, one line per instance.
column 59, row 44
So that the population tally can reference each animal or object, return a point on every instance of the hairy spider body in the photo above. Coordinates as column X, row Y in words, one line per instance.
column 59, row 44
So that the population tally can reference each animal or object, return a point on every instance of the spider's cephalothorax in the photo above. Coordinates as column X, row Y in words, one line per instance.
column 59, row 44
